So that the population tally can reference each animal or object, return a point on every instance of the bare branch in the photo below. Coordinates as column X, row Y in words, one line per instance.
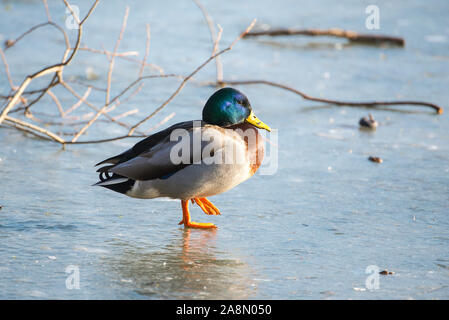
column 373, row 104
column 106, row 140
column 214, row 38
column 167, row 118
column 147, row 50
column 109, row 53
column 8, row 75
column 111, row 63
column 215, row 50
column 125, row 114
column 12, row 42
column 47, row 12
column 78, row 103
column 56, row 100
column 50, row 134
column 55, row 68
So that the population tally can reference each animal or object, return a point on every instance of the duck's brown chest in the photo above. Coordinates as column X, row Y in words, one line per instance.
column 254, row 144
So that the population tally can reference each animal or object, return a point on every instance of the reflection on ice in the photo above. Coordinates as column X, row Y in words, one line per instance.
column 187, row 268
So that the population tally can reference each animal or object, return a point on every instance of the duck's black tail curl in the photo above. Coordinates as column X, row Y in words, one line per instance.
column 113, row 181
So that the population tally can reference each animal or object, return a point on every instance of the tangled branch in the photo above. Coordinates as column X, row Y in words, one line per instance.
column 20, row 101
column 57, row 69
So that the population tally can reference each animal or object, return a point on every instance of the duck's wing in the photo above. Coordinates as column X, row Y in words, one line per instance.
column 152, row 157
column 147, row 143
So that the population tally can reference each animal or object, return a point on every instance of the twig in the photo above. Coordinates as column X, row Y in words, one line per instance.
column 35, row 128
column 53, row 82
column 131, row 94
column 214, row 38
column 47, row 11
column 20, row 128
column 11, row 42
column 112, row 61
column 87, row 85
column 125, row 114
column 373, row 104
column 147, row 49
column 334, row 32
column 171, row 115
column 219, row 65
column 56, row 100
column 8, row 74
column 78, row 103
column 110, row 53
column 106, row 140
column 150, row 65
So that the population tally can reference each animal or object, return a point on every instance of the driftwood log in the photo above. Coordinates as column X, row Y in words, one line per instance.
column 353, row 36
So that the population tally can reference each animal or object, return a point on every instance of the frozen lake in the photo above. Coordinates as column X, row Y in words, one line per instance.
column 314, row 226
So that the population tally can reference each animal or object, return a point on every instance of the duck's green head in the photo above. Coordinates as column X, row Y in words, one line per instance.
column 227, row 107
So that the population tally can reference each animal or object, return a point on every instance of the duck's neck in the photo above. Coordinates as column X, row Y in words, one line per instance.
column 254, row 144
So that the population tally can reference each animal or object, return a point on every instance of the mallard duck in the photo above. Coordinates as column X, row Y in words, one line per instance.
column 192, row 160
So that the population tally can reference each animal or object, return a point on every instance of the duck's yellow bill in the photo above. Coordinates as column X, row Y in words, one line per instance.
column 256, row 122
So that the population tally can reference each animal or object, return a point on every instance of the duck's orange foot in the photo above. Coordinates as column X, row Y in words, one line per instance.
column 199, row 225
column 207, row 206
column 192, row 224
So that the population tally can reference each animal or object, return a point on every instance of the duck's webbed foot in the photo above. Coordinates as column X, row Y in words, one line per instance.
column 207, row 206
column 186, row 220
